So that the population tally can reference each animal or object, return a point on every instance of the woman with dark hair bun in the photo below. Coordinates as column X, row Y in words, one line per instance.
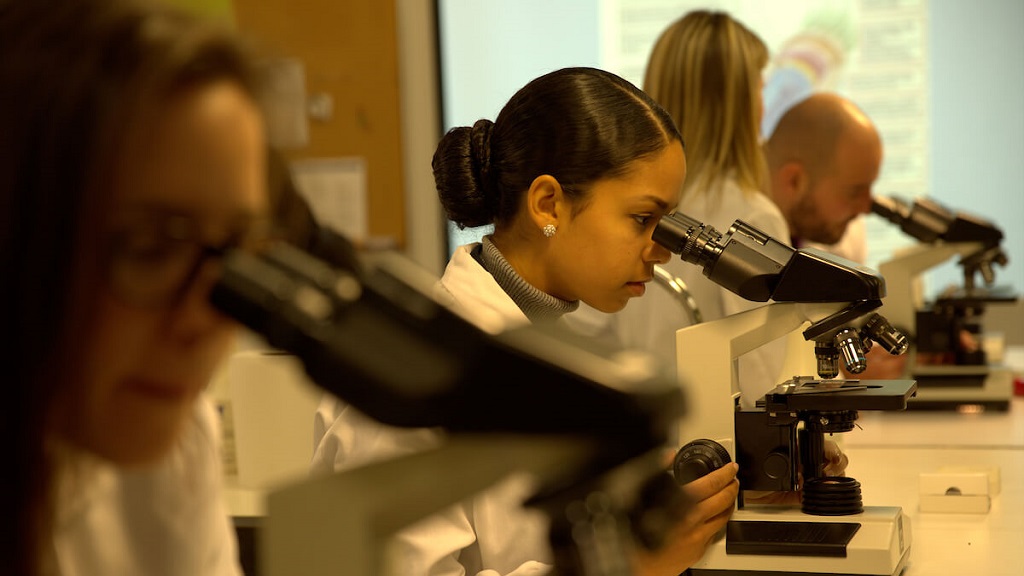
column 574, row 173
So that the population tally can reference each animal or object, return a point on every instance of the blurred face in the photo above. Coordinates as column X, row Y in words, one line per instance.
column 604, row 255
column 840, row 193
column 195, row 178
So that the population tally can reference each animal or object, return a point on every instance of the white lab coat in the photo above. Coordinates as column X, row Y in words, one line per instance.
column 486, row 535
column 168, row 519
column 650, row 323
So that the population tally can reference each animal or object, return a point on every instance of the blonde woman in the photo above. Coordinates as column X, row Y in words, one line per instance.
column 705, row 70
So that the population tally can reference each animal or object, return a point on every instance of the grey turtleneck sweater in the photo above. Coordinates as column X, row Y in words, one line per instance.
column 537, row 305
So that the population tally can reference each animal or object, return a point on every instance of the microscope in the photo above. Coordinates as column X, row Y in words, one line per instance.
column 366, row 330
column 831, row 532
column 947, row 359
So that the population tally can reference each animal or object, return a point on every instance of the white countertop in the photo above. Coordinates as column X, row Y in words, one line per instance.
column 990, row 544
column 891, row 449
column 887, row 454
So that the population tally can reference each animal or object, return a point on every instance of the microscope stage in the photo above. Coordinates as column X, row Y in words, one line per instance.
column 951, row 387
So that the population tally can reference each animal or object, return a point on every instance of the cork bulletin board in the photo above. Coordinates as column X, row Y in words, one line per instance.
column 348, row 50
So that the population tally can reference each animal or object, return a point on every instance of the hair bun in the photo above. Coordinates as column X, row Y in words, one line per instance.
column 480, row 151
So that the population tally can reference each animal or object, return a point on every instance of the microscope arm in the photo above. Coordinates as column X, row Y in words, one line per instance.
column 706, row 356
column 902, row 270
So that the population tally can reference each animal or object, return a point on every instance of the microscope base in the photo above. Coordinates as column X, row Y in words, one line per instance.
column 962, row 388
column 880, row 546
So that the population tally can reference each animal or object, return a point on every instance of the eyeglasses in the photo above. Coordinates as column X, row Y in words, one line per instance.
column 153, row 260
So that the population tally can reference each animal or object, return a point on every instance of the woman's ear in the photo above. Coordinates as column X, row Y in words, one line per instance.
column 545, row 202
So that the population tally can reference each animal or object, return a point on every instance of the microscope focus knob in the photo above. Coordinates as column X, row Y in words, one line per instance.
column 697, row 459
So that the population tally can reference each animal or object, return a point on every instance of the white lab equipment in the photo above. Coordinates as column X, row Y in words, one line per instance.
column 973, row 376
column 783, row 437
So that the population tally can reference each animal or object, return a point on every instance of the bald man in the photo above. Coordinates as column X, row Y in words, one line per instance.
column 823, row 156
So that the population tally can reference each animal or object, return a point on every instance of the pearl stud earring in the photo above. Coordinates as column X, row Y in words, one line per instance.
column 549, row 230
